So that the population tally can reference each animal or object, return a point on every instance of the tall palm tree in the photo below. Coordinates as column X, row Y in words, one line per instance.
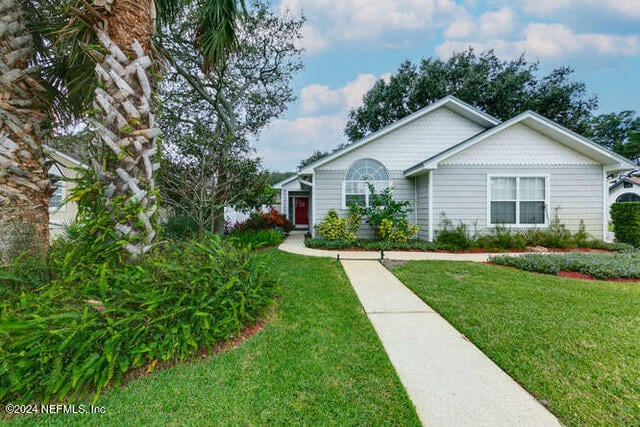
column 24, row 185
column 126, row 71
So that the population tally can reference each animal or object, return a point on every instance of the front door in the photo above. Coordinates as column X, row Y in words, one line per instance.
column 301, row 211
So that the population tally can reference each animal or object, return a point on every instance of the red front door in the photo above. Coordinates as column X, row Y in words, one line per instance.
column 302, row 211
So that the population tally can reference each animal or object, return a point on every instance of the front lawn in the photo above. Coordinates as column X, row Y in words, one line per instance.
column 572, row 343
column 317, row 362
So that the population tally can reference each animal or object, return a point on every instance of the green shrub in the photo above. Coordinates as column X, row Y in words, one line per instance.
column 179, row 226
column 334, row 228
column 626, row 222
column 397, row 232
column 599, row 266
column 541, row 263
column 581, row 238
column 98, row 318
column 254, row 239
column 412, row 244
column 557, row 235
column 615, row 247
column 502, row 238
column 383, row 208
column 453, row 238
column 372, row 245
column 354, row 219
column 322, row 243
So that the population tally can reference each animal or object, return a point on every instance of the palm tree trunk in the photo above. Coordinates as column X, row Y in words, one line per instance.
column 24, row 186
column 127, row 131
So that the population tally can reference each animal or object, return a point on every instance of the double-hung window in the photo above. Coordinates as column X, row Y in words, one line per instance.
column 356, row 182
column 518, row 200
column 59, row 191
column 57, row 198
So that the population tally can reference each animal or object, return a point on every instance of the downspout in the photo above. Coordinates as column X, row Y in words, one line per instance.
column 415, row 200
column 430, row 195
column 605, row 204
column 313, row 205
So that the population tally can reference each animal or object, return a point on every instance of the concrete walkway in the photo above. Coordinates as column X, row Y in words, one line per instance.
column 295, row 244
column 450, row 381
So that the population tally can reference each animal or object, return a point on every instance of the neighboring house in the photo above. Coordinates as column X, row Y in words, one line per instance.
column 451, row 160
column 61, row 213
column 625, row 189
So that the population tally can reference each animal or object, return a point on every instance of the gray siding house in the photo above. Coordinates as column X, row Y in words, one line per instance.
column 451, row 160
column 61, row 210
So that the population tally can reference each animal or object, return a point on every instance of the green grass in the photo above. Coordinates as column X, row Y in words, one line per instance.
column 573, row 343
column 318, row 362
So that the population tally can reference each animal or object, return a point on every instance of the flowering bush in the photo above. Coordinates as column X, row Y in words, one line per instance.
column 334, row 228
column 264, row 221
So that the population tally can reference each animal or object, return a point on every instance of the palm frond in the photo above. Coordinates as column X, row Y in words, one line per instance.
column 216, row 31
column 167, row 10
column 67, row 51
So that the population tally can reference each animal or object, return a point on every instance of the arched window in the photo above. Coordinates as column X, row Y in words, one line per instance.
column 360, row 173
column 628, row 197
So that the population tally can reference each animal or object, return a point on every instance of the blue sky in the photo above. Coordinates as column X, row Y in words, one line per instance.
column 351, row 43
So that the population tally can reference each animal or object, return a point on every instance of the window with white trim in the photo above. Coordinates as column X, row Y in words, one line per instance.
column 518, row 200
column 56, row 202
column 57, row 198
column 359, row 175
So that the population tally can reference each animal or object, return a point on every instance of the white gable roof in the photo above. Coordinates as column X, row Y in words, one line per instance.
column 450, row 102
column 61, row 157
column 279, row 185
column 544, row 126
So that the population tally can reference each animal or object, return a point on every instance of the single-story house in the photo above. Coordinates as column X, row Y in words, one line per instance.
column 61, row 211
column 625, row 189
column 451, row 160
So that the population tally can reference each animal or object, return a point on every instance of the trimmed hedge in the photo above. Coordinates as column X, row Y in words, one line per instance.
column 626, row 222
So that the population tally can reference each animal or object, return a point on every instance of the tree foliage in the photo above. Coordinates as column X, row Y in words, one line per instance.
column 619, row 132
column 387, row 216
column 317, row 155
column 205, row 177
column 275, row 177
column 209, row 115
column 500, row 88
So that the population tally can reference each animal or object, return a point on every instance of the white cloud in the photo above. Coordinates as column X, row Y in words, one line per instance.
column 285, row 142
column 495, row 23
column 489, row 24
column 460, row 28
column 316, row 97
column 628, row 7
column 357, row 20
column 324, row 115
column 551, row 41
column 543, row 7
column 546, row 7
column 313, row 40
